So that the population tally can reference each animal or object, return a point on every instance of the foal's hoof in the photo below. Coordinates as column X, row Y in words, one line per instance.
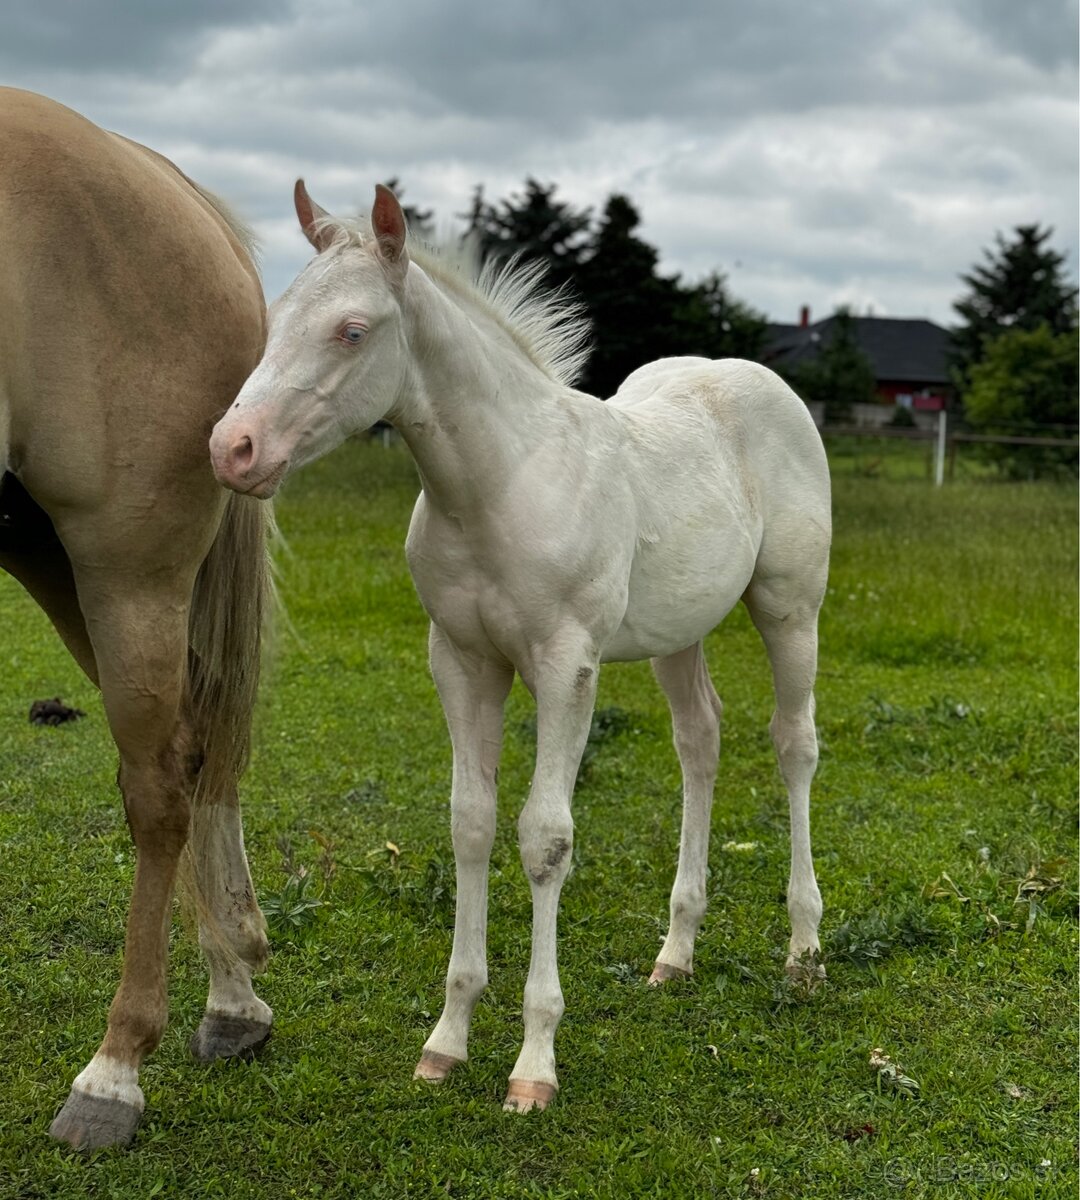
column 663, row 971
column 87, row 1122
column 805, row 972
column 434, row 1067
column 221, row 1035
column 523, row 1095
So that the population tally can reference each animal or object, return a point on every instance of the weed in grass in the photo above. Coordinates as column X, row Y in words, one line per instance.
column 420, row 891
column 891, row 1074
column 873, row 937
column 291, row 911
column 369, row 792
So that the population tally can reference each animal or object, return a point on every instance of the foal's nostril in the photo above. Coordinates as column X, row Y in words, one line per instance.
column 241, row 454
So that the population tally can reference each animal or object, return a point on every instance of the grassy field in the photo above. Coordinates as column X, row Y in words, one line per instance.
column 944, row 829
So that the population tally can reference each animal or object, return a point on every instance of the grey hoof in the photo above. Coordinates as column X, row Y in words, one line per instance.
column 224, row 1036
column 87, row 1122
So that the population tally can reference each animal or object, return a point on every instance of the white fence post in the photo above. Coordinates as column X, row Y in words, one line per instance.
column 939, row 456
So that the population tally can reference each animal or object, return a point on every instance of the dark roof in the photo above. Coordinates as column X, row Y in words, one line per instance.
column 899, row 348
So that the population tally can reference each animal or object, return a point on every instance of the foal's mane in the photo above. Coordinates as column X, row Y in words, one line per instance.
column 552, row 331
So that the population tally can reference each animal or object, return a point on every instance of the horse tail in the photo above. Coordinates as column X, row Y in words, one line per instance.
column 231, row 610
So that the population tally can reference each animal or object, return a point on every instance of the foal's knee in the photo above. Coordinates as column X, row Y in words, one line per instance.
column 473, row 832
column 546, row 847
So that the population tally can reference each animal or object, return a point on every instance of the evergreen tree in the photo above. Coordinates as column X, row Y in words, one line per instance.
column 714, row 324
column 633, row 309
column 535, row 225
column 841, row 376
column 1021, row 285
column 637, row 314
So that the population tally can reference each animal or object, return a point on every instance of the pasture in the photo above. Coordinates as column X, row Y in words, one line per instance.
column 944, row 827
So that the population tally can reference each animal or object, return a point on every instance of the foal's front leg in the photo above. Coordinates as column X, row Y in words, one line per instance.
column 473, row 691
column 564, row 683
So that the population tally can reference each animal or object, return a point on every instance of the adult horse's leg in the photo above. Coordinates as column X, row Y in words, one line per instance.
column 232, row 934
column 473, row 691
column 137, row 620
column 229, row 603
column 31, row 552
column 695, row 715
column 563, row 681
column 786, row 618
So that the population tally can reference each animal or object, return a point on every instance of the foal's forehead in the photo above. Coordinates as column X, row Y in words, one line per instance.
column 342, row 274
column 342, row 270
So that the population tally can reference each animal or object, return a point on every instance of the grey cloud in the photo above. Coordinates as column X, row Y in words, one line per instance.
column 131, row 39
column 856, row 147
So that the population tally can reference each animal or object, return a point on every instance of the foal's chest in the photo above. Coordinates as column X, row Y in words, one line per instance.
column 466, row 585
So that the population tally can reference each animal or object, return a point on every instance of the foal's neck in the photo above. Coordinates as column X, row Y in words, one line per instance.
column 475, row 406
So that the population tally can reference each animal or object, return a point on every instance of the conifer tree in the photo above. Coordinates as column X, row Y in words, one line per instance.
column 1021, row 285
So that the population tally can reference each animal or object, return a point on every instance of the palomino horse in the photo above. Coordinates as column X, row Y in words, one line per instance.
column 131, row 314
column 554, row 532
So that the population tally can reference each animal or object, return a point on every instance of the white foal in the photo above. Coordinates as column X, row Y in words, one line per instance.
column 554, row 532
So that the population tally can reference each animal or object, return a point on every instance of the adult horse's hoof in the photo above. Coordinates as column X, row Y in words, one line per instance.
column 434, row 1067
column 87, row 1122
column 221, row 1035
column 663, row 971
column 523, row 1095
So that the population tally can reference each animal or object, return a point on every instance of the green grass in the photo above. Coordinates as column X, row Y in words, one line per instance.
column 947, row 788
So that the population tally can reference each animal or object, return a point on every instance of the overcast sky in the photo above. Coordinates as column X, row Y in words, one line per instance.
column 816, row 151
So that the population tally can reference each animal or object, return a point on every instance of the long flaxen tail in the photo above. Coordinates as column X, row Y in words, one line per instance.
column 232, row 609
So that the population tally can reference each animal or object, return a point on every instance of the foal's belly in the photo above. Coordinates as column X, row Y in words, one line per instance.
column 679, row 594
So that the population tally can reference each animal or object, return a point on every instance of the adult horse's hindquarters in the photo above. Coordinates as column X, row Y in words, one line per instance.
column 130, row 315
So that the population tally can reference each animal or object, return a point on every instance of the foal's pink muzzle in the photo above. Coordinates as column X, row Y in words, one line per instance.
column 239, row 464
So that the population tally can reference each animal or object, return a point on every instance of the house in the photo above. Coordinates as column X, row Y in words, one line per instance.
column 910, row 358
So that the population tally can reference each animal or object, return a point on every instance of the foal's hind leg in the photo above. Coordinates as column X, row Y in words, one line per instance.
column 695, row 715
column 137, row 623
column 788, row 627
column 232, row 934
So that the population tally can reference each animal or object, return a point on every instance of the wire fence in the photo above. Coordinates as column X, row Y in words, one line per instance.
column 889, row 452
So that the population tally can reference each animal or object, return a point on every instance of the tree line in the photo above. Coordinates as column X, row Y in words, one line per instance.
column 1015, row 348
column 637, row 313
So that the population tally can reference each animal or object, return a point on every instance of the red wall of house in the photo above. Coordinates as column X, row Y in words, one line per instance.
column 927, row 397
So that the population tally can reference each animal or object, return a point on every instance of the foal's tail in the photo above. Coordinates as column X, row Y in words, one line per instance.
column 231, row 610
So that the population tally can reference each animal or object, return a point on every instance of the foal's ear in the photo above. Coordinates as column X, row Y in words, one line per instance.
column 388, row 225
column 308, row 212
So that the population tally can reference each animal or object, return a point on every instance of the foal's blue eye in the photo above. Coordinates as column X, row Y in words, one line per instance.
column 352, row 333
